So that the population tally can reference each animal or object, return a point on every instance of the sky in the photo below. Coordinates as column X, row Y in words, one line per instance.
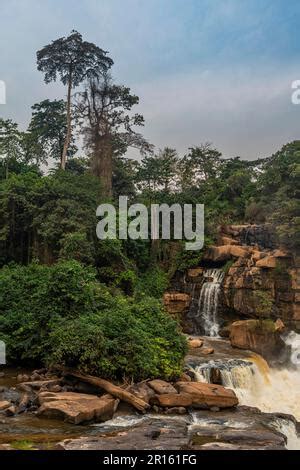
column 215, row 71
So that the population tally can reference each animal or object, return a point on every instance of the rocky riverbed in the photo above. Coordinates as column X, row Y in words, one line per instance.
column 44, row 409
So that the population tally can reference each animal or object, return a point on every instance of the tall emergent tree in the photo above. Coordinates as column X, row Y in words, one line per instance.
column 109, row 128
column 74, row 61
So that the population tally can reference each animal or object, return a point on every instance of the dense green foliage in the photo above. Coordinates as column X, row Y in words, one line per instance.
column 61, row 314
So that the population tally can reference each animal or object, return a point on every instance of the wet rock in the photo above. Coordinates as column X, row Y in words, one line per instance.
column 279, row 325
column 223, row 253
column 176, row 410
column 76, row 407
column 171, row 400
column 227, row 241
column 170, row 434
column 205, row 395
column 267, row 262
column 207, row 351
column 142, row 390
column 176, row 302
column 258, row 336
column 225, row 331
column 4, row 404
column 22, row 378
column 10, row 411
column 241, row 428
column 195, row 343
column 23, row 387
column 12, row 395
column 39, row 384
column 214, row 409
column 35, row 377
column 185, row 377
column 161, row 387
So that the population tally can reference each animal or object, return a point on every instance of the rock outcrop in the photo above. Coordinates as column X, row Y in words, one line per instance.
column 262, row 280
column 76, row 408
column 249, row 430
column 208, row 395
column 264, row 284
column 261, row 337
column 176, row 302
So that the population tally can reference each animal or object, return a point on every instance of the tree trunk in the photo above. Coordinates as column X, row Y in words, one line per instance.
column 69, row 128
column 112, row 389
column 102, row 163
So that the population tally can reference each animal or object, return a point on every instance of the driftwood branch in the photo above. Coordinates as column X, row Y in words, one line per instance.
column 109, row 387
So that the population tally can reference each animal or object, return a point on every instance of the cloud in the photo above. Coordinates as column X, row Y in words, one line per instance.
column 241, row 113
column 205, row 70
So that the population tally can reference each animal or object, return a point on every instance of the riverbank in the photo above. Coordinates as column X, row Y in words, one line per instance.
column 262, row 425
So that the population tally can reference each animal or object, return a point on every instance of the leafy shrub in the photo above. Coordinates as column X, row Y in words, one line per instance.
column 61, row 314
column 134, row 340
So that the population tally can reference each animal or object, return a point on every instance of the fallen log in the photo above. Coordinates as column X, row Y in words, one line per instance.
column 112, row 389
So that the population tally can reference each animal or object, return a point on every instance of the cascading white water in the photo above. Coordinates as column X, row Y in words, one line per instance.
column 208, row 301
column 293, row 341
column 257, row 385
column 288, row 428
column 270, row 390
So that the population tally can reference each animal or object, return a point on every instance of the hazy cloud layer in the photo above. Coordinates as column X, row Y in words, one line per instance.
column 205, row 70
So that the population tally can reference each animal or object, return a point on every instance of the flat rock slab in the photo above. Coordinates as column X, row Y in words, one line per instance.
column 170, row 400
column 231, row 429
column 208, row 395
column 158, row 434
column 76, row 408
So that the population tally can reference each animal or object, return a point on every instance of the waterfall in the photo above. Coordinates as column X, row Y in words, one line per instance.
column 255, row 384
column 288, row 428
column 208, row 301
column 292, row 339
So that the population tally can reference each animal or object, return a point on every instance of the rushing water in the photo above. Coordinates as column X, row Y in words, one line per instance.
column 205, row 312
column 270, row 390
column 255, row 384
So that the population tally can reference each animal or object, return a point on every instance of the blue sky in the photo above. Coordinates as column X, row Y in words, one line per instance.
column 205, row 70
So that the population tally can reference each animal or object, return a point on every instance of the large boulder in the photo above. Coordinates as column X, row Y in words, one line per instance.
column 223, row 253
column 176, row 302
column 194, row 343
column 170, row 400
column 160, row 386
column 205, row 395
column 262, row 337
column 142, row 391
column 76, row 407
